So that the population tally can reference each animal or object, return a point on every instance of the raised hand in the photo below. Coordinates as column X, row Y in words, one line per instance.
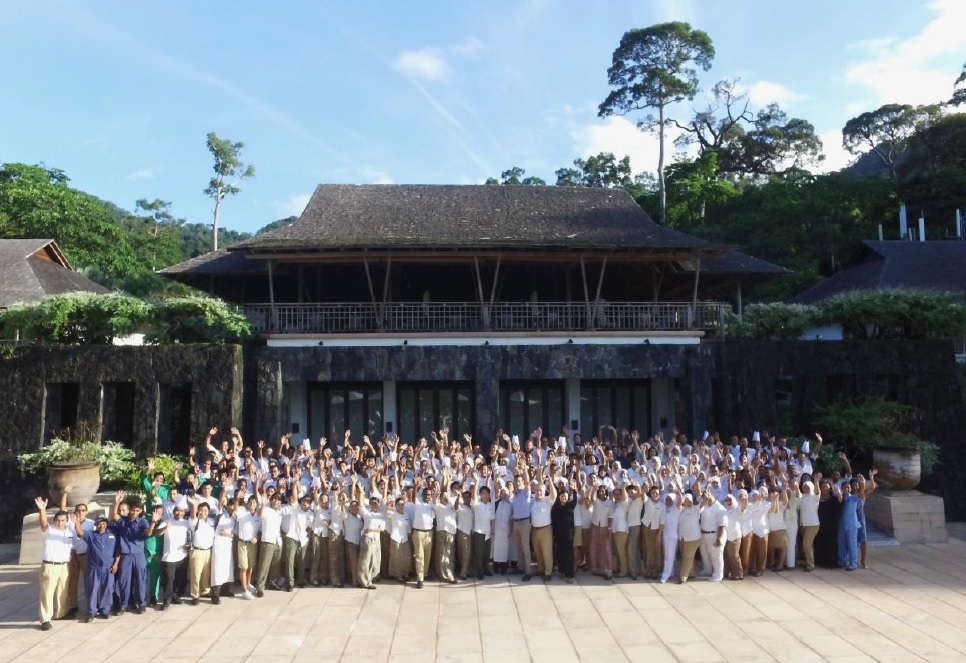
column 119, row 496
column 41, row 503
column 213, row 431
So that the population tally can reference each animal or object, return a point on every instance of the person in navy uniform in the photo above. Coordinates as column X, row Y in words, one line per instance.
column 131, row 577
column 102, row 562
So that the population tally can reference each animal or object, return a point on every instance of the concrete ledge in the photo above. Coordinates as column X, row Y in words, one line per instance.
column 910, row 516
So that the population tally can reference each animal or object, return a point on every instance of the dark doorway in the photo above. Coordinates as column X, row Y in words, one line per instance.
column 174, row 420
column 118, row 413
column 528, row 405
column 427, row 406
column 61, row 407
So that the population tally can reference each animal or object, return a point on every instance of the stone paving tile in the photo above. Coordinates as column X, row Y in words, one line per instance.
column 911, row 606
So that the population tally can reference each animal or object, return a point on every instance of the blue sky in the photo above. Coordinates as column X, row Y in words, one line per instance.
column 121, row 95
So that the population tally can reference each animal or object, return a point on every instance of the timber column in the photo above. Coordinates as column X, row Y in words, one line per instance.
column 268, row 401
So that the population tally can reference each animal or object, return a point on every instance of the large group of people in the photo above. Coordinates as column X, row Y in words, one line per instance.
column 238, row 520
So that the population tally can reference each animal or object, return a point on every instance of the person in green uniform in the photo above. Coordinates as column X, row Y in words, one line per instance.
column 156, row 491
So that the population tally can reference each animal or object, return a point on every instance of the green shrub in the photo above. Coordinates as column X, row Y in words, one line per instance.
column 76, row 318
column 81, row 444
column 895, row 314
column 197, row 320
column 776, row 320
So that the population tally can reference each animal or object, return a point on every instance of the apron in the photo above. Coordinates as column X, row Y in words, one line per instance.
column 501, row 532
column 222, row 557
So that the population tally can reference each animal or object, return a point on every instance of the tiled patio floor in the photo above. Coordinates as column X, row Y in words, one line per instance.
column 910, row 606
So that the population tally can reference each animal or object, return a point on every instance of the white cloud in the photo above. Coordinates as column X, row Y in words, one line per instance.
column 762, row 93
column 374, row 175
column 294, row 205
column 910, row 70
column 141, row 174
column 469, row 47
column 676, row 10
column 425, row 63
column 620, row 136
column 836, row 156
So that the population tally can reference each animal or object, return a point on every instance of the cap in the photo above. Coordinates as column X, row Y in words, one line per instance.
column 101, row 519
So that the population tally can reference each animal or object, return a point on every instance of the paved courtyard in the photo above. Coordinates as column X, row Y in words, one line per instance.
column 910, row 606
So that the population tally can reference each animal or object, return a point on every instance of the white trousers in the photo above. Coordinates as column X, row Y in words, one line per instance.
column 791, row 533
column 670, row 550
column 712, row 556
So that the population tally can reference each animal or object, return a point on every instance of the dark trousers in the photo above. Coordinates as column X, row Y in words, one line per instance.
column 563, row 552
column 132, row 580
column 100, row 589
column 174, row 579
column 481, row 553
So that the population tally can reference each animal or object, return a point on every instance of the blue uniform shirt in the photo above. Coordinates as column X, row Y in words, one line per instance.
column 100, row 548
column 850, row 513
column 131, row 535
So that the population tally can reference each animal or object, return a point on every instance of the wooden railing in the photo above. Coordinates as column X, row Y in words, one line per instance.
column 468, row 317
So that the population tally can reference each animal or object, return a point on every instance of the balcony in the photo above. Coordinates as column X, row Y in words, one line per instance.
column 472, row 317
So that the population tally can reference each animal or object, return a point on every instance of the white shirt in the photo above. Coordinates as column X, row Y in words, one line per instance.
column 271, row 526
column 423, row 515
column 399, row 526
column 299, row 520
column 464, row 518
column 653, row 511
column 353, row 528
column 635, row 512
column 57, row 545
column 732, row 524
column 482, row 515
column 202, row 533
column 540, row 511
column 713, row 517
column 175, row 540
column 248, row 526
column 619, row 516
column 601, row 512
column 446, row 518
column 689, row 526
column 808, row 510
column 372, row 520
column 80, row 545
column 320, row 524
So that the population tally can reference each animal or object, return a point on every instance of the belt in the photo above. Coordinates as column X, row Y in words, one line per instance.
column 541, row 527
column 208, row 548
column 704, row 531
column 57, row 563
column 374, row 531
column 516, row 520
column 81, row 554
column 416, row 529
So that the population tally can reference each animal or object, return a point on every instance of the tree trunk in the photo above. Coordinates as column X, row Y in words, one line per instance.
column 214, row 225
column 661, row 192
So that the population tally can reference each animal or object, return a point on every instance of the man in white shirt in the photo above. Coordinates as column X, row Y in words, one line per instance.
column 400, row 549
column 77, row 569
column 713, row 521
column 299, row 519
column 174, row 555
column 483, row 515
column 319, row 545
column 541, row 534
column 249, row 525
column 53, row 568
column 464, row 532
column 635, row 513
column 445, row 536
column 619, row 529
column 269, row 545
column 370, row 555
column 651, row 532
column 352, row 531
column 423, row 514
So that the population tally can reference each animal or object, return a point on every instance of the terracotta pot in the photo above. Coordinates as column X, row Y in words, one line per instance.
column 84, row 477
column 899, row 467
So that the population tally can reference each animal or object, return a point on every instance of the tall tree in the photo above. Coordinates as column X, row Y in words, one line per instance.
column 773, row 144
column 719, row 120
column 959, row 90
column 654, row 68
column 229, row 172
column 886, row 131
column 515, row 177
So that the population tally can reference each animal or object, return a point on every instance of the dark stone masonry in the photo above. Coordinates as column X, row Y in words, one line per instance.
column 160, row 398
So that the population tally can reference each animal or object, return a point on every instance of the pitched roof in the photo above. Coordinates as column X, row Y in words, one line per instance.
column 32, row 269
column 216, row 262
column 884, row 265
column 341, row 217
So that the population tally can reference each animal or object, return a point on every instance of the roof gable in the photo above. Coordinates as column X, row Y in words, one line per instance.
column 32, row 269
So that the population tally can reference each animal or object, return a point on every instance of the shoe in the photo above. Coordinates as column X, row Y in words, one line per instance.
column 608, row 577
column 452, row 582
column 479, row 576
column 46, row 626
column 316, row 583
column 419, row 584
column 139, row 610
column 101, row 615
column 488, row 573
column 662, row 580
column 526, row 577
column 71, row 613
column 633, row 577
column 176, row 600
column 547, row 578
column 85, row 619
column 462, row 577
column 164, row 606
column 248, row 596
column 259, row 593
column 370, row 586
column 288, row 588
column 216, row 600
column 116, row 612
column 251, row 589
column 194, row 601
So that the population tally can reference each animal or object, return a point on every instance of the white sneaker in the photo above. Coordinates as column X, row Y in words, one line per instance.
column 251, row 589
column 248, row 596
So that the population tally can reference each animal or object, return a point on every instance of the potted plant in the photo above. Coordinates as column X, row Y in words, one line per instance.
column 76, row 456
column 884, row 430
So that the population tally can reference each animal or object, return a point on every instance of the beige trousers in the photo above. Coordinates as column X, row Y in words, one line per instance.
column 688, row 549
column 444, row 555
column 199, row 572
column 370, row 558
column 620, row 544
column 76, row 581
column 422, row 552
column 53, row 584
column 808, row 544
column 652, row 552
column 542, row 539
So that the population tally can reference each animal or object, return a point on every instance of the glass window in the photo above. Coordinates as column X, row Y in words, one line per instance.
column 334, row 407
column 528, row 405
column 423, row 408
column 618, row 403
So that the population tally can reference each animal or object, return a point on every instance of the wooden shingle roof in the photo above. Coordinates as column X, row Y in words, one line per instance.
column 411, row 217
column 32, row 269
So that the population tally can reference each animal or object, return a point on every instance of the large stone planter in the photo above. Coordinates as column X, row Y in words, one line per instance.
column 85, row 479
column 899, row 467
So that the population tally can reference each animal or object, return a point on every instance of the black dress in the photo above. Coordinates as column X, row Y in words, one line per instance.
column 827, row 539
column 562, row 524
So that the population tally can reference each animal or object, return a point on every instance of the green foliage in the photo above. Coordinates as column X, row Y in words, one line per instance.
column 76, row 318
column 828, row 461
column 81, row 444
column 959, row 90
column 197, row 319
column 895, row 314
column 886, row 131
column 771, row 321
column 515, row 177
column 36, row 202
column 229, row 172
column 167, row 465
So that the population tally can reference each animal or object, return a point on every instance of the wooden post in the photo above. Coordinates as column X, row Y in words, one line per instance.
column 738, row 301
column 271, row 294
column 694, row 297
column 385, row 294
column 479, row 287
column 372, row 294
column 583, row 274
